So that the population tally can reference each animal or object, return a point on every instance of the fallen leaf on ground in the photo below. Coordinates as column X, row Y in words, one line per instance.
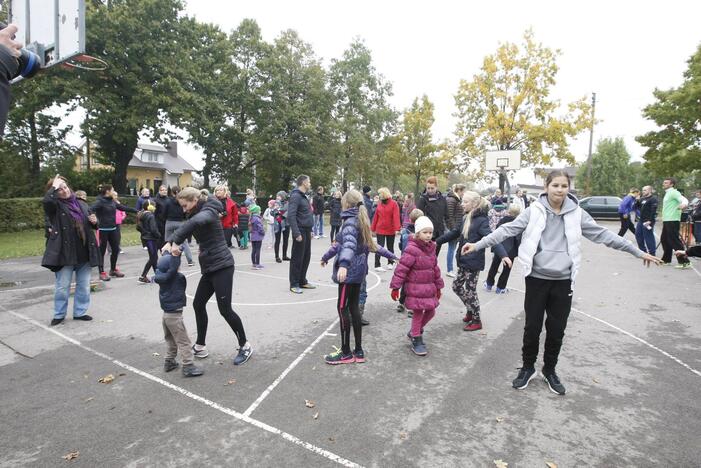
column 550, row 465
column 71, row 456
column 316, row 415
column 220, row 363
column 402, row 435
column 309, row 403
column 316, row 321
column 500, row 419
column 106, row 379
column 89, row 399
column 331, row 439
column 156, row 354
column 500, row 463
column 231, row 382
column 483, row 333
column 595, row 380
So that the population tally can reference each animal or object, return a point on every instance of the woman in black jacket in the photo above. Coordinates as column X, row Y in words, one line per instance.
column 335, row 209
column 106, row 210
column 147, row 225
column 216, row 264
column 70, row 247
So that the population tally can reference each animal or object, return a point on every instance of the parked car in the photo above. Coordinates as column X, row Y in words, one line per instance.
column 601, row 206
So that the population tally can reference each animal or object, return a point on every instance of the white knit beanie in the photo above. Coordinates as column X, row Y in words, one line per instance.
column 422, row 223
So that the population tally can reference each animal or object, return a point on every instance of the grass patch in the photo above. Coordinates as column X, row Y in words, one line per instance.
column 31, row 243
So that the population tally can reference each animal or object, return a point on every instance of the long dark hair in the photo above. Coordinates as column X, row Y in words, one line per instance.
column 106, row 188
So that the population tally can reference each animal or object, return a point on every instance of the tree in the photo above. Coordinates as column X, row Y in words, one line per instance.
column 676, row 147
column 363, row 116
column 610, row 171
column 507, row 106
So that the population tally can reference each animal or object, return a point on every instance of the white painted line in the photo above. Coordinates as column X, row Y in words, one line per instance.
column 636, row 338
column 282, row 278
column 289, row 368
column 235, row 414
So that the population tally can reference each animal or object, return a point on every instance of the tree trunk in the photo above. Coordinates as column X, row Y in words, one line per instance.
column 34, row 146
column 122, row 156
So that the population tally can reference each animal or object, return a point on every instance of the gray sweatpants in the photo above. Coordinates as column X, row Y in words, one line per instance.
column 176, row 337
column 171, row 227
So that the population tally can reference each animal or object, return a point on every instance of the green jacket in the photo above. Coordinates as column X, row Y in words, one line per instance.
column 670, row 205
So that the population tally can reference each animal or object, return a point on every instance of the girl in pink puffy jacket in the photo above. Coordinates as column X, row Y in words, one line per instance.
column 419, row 274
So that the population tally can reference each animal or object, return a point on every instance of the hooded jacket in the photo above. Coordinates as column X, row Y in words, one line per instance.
column 203, row 222
column 172, row 283
column 550, row 245
column 105, row 208
column 436, row 208
column 418, row 273
column 335, row 209
column 318, row 204
column 299, row 213
column 455, row 211
column 386, row 220
column 257, row 228
column 148, row 227
column 173, row 210
column 231, row 213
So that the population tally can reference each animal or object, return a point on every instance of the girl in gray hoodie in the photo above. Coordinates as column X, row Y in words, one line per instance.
column 550, row 255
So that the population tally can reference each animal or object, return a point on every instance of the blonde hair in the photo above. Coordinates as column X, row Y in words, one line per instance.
column 351, row 199
column 514, row 210
column 478, row 203
column 222, row 187
column 415, row 214
column 384, row 193
column 192, row 194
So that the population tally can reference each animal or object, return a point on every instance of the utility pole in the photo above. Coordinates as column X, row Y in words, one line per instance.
column 591, row 141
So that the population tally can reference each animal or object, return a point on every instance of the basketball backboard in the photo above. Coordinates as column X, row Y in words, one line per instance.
column 509, row 160
column 52, row 29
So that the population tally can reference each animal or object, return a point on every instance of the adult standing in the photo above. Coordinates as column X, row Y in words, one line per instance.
column 281, row 226
column 318, row 205
column 407, row 207
column 145, row 195
column 433, row 204
column 498, row 198
column 216, row 265
column 625, row 208
column 70, row 248
column 385, row 224
column 672, row 205
column 335, row 211
column 520, row 200
column 696, row 216
column 645, row 228
column 455, row 214
column 301, row 220
column 105, row 207
column 230, row 214
column 160, row 200
column 174, row 219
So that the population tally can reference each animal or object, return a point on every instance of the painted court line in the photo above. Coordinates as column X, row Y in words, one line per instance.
column 235, row 414
column 636, row 338
column 282, row 278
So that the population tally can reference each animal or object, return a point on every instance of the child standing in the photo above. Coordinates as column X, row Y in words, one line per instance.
column 172, row 297
column 419, row 275
column 550, row 254
column 150, row 237
column 404, row 236
column 511, row 246
column 270, row 221
column 350, row 268
column 335, row 214
column 244, row 218
column 474, row 227
column 257, row 234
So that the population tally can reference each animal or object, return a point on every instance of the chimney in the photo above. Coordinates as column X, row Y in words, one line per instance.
column 173, row 148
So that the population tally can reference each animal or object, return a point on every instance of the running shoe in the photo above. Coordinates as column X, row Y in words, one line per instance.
column 450, row 274
column 200, row 353
column 683, row 266
column 487, row 286
column 474, row 325
column 501, row 291
column 170, row 364
column 143, row 280
column 116, row 273
column 192, row 371
column 467, row 318
column 418, row 347
column 553, row 382
column 359, row 356
column 525, row 375
column 338, row 357
column 244, row 354
column 104, row 276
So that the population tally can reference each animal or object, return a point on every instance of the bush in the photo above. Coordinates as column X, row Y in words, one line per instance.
column 20, row 214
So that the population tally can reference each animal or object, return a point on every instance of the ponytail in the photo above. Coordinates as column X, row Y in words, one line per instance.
column 353, row 198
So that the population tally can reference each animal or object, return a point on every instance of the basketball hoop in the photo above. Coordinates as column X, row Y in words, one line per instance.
column 85, row 62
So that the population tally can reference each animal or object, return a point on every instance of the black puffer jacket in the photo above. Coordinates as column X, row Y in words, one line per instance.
column 148, row 227
column 455, row 211
column 299, row 213
column 335, row 209
column 106, row 210
column 436, row 208
column 172, row 283
column 203, row 222
column 160, row 212
column 173, row 210
column 318, row 203
column 63, row 241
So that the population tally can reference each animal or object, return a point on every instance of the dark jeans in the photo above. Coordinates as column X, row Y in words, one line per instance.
column 626, row 225
column 382, row 241
column 152, row 247
column 255, row 252
column 553, row 297
column 228, row 234
column 505, row 272
column 349, row 315
column 672, row 241
column 220, row 282
column 645, row 238
column 301, row 255
column 285, row 234
column 334, row 232
column 113, row 238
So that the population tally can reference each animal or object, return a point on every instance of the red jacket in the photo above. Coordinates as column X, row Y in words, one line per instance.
column 231, row 216
column 419, row 274
column 386, row 220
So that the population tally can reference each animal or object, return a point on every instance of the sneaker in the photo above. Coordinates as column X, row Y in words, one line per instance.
column 683, row 266
column 285, row 259
column 116, row 273
column 323, row 236
column 665, row 263
column 379, row 269
column 409, row 313
column 359, row 356
column 308, row 286
column 200, row 353
column 487, row 286
column 450, row 274
column 145, row 248
column 467, row 318
column 104, row 277
column 364, row 322
column 317, row 237
column 296, row 290
column 56, row 321
column 261, row 267
column 339, row 358
column 192, row 371
column 400, row 308
column 143, row 280
column 190, row 263
column 473, row 325
column 84, row 317
column 278, row 260
column 525, row 375
column 553, row 382
column 418, row 347
column 170, row 364
column 244, row 354
column 501, row 291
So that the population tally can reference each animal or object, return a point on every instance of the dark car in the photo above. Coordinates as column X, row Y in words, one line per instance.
column 601, row 206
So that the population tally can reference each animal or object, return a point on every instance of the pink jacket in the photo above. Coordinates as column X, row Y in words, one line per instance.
column 419, row 274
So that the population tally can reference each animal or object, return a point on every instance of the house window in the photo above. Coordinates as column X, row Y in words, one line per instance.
column 150, row 156
column 148, row 183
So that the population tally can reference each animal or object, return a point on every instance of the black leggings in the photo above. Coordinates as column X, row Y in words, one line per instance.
column 152, row 247
column 221, row 283
column 349, row 313
column 505, row 272
column 381, row 240
column 112, row 238
column 255, row 252
column 334, row 232
column 285, row 234
column 626, row 225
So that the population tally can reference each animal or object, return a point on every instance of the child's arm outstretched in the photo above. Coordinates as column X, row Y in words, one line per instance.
column 514, row 228
column 602, row 235
column 166, row 277
column 331, row 253
column 386, row 253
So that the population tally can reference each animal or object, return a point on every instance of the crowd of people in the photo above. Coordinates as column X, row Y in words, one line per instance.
column 545, row 235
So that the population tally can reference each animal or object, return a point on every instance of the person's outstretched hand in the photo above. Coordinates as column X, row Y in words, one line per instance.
column 7, row 36
column 438, row 294
column 507, row 262
column 648, row 259
column 323, row 263
column 395, row 294
column 341, row 276
column 166, row 247
column 467, row 248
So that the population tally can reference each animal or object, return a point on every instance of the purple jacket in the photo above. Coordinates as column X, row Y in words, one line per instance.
column 419, row 274
column 349, row 252
column 257, row 228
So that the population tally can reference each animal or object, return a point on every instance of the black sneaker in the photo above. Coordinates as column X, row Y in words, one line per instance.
column 192, row 371
column 553, row 382
column 364, row 322
column 400, row 308
column 359, row 356
column 418, row 347
column 84, row 317
column 170, row 364
column 56, row 321
column 143, row 280
column 244, row 354
column 525, row 375
column 278, row 260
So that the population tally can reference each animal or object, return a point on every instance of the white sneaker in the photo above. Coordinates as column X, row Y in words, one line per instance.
column 390, row 266
column 200, row 353
column 316, row 237
column 451, row 274
column 379, row 269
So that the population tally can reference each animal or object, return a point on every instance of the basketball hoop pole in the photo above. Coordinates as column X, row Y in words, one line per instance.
column 504, row 184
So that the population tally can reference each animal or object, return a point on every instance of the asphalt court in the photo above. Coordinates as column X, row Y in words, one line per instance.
column 630, row 361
